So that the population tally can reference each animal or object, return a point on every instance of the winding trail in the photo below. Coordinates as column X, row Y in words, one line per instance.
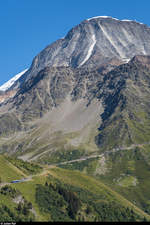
column 101, row 155
column 45, row 168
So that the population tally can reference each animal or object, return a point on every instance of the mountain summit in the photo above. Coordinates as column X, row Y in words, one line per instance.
column 93, row 43
column 96, row 41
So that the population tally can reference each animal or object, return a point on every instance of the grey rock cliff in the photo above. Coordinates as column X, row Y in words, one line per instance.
column 92, row 43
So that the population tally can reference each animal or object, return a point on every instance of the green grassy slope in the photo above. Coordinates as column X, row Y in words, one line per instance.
column 95, row 201
column 95, row 186
column 126, row 171
column 12, row 168
column 8, row 171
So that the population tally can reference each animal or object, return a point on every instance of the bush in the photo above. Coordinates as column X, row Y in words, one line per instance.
column 8, row 190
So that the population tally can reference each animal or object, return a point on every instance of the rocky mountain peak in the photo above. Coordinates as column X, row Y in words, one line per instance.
column 93, row 43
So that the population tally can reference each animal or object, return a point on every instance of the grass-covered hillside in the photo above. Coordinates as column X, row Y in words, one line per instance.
column 8, row 171
column 63, row 195
column 126, row 171
column 12, row 169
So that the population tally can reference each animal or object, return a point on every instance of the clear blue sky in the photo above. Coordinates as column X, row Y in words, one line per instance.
column 28, row 26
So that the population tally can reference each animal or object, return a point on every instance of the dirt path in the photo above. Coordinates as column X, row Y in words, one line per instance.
column 100, row 155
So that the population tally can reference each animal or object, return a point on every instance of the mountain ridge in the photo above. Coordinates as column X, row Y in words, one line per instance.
column 82, row 106
column 68, row 51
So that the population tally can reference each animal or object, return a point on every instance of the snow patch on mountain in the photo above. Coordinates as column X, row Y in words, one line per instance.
column 110, row 17
column 9, row 83
column 96, row 17
column 90, row 49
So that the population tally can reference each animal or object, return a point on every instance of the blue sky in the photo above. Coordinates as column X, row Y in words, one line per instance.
column 28, row 26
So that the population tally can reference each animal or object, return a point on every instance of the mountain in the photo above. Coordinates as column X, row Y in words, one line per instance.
column 76, row 90
column 84, row 105
column 93, row 43
column 9, row 83
column 4, row 89
column 75, row 96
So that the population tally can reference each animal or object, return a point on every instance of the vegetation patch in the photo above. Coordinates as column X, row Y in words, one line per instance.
column 12, row 212
column 8, row 172
column 129, row 173
column 62, row 155
column 127, row 181
column 27, row 167
column 9, row 191
column 99, row 205
column 62, row 204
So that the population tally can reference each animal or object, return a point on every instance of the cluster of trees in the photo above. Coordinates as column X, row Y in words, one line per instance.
column 8, row 190
column 65, row 155
column 12, row 215
column 6, row 214
column 66, row 203
column 30, row 168
column 71, row 198
column 24, row 207
column 113, row 211
column 61, row 203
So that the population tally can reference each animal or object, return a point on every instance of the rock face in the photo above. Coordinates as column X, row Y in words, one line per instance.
column 95, row 41
column 125, row 94
column 92, row 43
column 81, row 91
